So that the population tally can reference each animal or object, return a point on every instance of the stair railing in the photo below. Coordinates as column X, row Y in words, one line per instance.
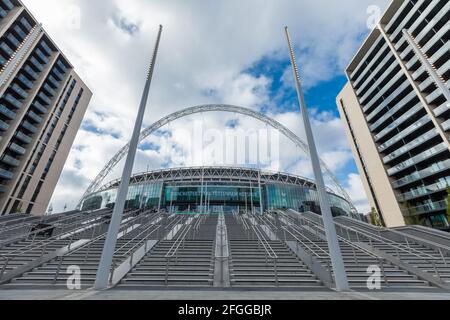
column 173, row 251
column 269, row 252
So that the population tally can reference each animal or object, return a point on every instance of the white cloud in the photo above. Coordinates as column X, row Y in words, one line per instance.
column 206, row 47
column 356, row 192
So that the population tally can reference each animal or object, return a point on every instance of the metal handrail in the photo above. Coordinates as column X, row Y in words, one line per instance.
column 11, row 256
column 270, row 253
column 309, row 240
column 89, row 245
column 36, row 232
column 432, row 260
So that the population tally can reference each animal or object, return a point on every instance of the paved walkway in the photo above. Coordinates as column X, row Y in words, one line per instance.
column 214, row 295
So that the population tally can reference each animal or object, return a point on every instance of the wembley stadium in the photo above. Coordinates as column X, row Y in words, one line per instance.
column 217, row 190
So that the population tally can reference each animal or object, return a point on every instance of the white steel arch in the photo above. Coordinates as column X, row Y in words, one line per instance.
column 209, row 108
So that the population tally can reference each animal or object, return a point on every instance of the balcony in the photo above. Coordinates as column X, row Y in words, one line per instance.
column 29, row 127
column 26, row 24
column 53, row 82
column 10, row 160
column 441, row 185
column 433, row 169
column 405, row 85
column 25, row 82
column 426, row 208
column 19, row 91
column 17, row 149
column 442, row 108
column 58, row 75
column 7, row 113
column 411, row 145
column 398, row 121
column 405, row 132
column 39, row 107
column 36, row 64
column 61, row 66
column 3, row 13
column 446, row 125
column 13, row 40
column 442, row 147
column 13, row 101
column 34, row 117
column 41, row 56
column 46, row 48
column 18, row 30
column 2, row 60
column 8, row 4
column 49, row 90
column 23, row 137
column 3, row 126
column 30, row 72
column 46, row 100
column 5, row 174
column 7, row 51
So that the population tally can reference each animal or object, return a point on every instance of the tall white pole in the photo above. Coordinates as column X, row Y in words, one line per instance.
column 333, row 244
column 101, row 280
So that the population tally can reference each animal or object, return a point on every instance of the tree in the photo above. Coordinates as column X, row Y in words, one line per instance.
column 375, row 218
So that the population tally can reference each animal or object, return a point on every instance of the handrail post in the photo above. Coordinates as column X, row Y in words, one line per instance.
column 436, row 271
column 55, row 279
column 381, row 262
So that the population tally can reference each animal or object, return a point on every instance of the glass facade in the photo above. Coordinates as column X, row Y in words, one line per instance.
column 218, row 197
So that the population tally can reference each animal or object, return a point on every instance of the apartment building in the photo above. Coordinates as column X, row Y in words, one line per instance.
column 396, row 112
column 42, row 103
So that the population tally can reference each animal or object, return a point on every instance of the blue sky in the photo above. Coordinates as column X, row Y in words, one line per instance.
column 230, row 52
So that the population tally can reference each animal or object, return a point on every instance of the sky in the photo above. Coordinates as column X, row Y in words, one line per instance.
column 212, row 52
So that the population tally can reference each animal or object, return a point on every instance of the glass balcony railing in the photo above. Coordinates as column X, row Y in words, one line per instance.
column 6, row 49
column 3, row 13
column 36, row 64
column 446, row 125
column 411, row 145
column 29, row 127
column 22, row 93
column 41, row 56
column 10, row 160
column 13, row 40
column 53, row 82
column 405, row 132
column 46, row 48
column 26, row 24
column 33, row 75
column 5, row 174
column 25, row 82
column 8, row 4
column 13, row 101
column 425, row 208
column 17, row 29
column 418, row 158
column 398, row 121
column 388, row 100
column 58, row 75
column 442, row 108
column 39, row 107
column 23, row 137
column 376, row 84
column 7, row 113
column 34, row 117
column 383, row 91
column 61, row 66
column 2, row 60
column 3, row 126
column 433, row 169
column 442, row 184
column 17, row 149
column 44, row 98
column 49, row 90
